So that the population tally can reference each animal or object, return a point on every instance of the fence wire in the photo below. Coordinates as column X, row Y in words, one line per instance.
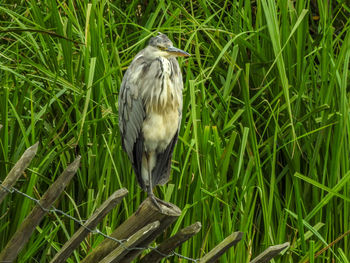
column 96, row 230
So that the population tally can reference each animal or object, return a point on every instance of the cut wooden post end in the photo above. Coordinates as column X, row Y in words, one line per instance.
column 89, row 225
column 270, row 253
column 121, row 252
column 171, row 243
column 220, row 249
column 17, row 170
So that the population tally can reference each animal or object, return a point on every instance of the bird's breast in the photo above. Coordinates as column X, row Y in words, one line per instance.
column 162, row 111
column 159, row 129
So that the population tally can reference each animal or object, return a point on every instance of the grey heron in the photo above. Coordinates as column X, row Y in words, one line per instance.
column 150, row 110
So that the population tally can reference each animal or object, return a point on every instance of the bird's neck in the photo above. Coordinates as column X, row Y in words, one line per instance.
column 165, row 95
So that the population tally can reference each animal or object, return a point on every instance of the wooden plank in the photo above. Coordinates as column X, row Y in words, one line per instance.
column 220, row 249
column 146, row 214
column 168, row 246
column 132, row 242
column 23, row 233
column 270, row 253
column 17, row 170
column 90, row 224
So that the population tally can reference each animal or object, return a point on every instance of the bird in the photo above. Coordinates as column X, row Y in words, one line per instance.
column 150, row 111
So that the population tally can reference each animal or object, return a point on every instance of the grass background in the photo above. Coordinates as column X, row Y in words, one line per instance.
column 264, row 141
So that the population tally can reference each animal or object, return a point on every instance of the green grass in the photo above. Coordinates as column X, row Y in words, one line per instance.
column 264, row 142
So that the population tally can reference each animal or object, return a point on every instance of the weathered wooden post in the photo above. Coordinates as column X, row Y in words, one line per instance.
column 23, row 233
column 147, row 213
column 168, row 246
column 17, row 170
column 89, row 225
column 220, row 249
column 270, row 253
column 134, row 241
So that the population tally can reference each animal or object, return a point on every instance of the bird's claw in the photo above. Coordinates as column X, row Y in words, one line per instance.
column 155, row 202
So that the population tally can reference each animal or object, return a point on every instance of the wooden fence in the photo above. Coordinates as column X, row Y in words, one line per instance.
column 128, row 241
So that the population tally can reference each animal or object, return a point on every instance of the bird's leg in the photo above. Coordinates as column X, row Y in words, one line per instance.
column 150, row 184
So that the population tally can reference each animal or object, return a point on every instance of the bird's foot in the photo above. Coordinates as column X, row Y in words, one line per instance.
column 154, row 201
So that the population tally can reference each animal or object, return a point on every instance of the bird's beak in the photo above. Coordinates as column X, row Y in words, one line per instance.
column 178, row 52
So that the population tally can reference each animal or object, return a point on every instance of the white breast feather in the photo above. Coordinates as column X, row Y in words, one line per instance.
column 162, row 120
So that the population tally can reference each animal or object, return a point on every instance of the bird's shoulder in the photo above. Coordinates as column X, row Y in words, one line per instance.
column 131, row 108
column 141, row 71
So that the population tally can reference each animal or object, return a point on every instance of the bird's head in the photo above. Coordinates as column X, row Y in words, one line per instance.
column 161, row 46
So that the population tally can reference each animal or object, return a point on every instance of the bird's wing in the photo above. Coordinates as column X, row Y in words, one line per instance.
column 161, row 172
column 131, row 116
column 132, row 96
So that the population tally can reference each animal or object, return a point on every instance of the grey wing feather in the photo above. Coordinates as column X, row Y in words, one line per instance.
column 131, row 117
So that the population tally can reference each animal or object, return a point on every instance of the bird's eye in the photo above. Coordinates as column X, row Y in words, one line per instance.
column 161, row 47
